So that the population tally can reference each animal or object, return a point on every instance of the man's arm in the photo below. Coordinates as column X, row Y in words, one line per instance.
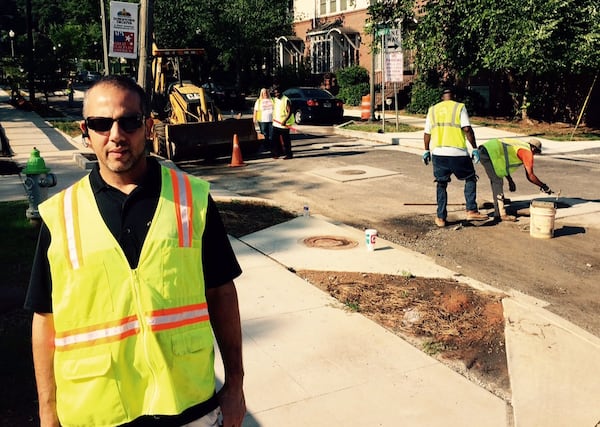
column 426, row 140
column 527, row 158
column 42, row 340
column 468, row 130
column 225, row 320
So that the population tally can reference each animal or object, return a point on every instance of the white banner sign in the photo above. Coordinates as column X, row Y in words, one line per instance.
column 394, row 67
column 123, row 29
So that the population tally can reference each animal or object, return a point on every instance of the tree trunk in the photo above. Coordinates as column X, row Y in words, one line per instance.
column 524, row 102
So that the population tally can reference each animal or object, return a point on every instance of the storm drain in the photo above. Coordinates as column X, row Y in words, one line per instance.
column 330, row 242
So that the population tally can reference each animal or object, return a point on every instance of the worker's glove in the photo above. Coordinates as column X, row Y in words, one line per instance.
column 426, row 157
column 475, row 156
column 511, row 184
column 546, row 189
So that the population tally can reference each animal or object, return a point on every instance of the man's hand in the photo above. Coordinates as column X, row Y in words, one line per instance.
column 475, row 155
column 511, row 184
column 426, row 157
column 233, row 405
column 546, row 189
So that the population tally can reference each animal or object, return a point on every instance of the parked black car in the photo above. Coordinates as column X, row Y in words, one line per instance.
column 311, row 104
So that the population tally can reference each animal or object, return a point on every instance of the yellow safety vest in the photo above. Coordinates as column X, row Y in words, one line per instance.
column 280, row 112
column 503, row 154
column 129, row 342
column 445, row 125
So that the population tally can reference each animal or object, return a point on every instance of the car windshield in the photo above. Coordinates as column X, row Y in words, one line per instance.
column 316, row 93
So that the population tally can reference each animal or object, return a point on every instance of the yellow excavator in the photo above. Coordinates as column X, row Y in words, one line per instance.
column 187, row 123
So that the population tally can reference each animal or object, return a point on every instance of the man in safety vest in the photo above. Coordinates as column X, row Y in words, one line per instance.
column 447, row 128
column 500, row 158
column 132, row 275
column 282, row 120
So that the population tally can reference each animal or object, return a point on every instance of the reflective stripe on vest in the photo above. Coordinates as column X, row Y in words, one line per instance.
column 158, row 320
column 72, row 231
column 445, row 125
column 183, row 202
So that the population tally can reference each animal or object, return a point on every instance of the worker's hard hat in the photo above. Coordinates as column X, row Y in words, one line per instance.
column 536, row 143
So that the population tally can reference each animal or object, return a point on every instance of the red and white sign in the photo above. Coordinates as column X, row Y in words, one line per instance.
column 123, row 29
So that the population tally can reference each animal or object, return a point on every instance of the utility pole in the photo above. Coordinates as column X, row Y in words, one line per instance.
column 145, row 44
column 30, row 54
column 104, row 40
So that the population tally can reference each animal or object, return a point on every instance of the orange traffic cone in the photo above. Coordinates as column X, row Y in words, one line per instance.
column 236, row 155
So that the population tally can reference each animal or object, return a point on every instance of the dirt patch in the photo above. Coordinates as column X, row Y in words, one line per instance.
column 458, row 325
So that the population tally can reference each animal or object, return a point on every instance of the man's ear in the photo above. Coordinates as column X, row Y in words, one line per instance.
column 148, row 126
column 84, row 129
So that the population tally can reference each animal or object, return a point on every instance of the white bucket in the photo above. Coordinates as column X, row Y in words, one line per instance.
column 541, row 219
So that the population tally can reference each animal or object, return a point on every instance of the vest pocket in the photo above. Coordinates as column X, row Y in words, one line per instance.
column 192, row 342
column 87, row 393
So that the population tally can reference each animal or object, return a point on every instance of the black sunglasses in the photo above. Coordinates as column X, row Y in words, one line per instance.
column 128, row 124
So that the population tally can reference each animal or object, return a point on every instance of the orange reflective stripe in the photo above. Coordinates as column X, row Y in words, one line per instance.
column 182, row 191
column 96, row 334
column 171, row 318
column 71, row 228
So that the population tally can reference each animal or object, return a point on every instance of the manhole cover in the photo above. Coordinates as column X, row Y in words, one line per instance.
column 330, row 242
column 351, row 172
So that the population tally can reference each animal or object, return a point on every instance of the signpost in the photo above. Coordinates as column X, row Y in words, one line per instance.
column 392, row 65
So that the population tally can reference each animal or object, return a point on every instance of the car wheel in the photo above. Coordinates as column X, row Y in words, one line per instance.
column 298, row 118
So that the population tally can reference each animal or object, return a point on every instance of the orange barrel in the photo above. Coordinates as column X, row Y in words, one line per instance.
column 365, row 108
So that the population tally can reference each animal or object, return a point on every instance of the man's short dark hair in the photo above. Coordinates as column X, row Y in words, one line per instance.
column 125, row 83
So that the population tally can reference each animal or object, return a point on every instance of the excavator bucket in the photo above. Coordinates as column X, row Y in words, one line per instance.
column 208, row 140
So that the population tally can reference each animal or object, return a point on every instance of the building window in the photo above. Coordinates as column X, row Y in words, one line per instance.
column 343, row 5
column 332, row 6
column 331, row 50
column 323, row 8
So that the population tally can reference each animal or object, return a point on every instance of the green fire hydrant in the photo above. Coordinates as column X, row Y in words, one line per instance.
column 38, row 180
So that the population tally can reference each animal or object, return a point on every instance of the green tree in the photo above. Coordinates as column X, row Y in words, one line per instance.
column 237, row 34
column 529, row 43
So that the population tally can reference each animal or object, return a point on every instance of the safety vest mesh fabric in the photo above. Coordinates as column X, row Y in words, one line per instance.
column 129, row 342
column 503, row 154
column 445, row 125
column 280, row 112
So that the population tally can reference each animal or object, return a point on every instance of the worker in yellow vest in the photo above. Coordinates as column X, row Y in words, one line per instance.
column 132, row 278
column 500, row 158
column 447, row 128
column 283, row 119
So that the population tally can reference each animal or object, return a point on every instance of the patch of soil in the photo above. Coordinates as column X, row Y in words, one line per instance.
column 460, row 326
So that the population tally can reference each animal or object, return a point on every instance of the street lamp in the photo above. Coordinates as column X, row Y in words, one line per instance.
column 11, row 34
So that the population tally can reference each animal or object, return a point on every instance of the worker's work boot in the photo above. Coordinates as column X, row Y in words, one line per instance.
column 440, row 222
column 476, row 216
column 503, row 215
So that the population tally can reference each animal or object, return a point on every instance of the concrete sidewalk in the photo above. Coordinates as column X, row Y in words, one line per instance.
column 308, row 361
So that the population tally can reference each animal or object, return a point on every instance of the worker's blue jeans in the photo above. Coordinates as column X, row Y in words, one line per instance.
column 462, row 168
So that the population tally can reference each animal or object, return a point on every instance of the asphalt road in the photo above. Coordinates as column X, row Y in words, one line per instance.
column 365, row 185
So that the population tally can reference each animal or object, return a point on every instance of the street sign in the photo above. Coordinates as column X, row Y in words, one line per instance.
column 394, row 40
column 394, row 67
